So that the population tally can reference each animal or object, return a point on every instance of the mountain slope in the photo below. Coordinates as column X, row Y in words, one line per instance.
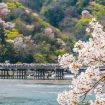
column 67, row 14
column 45, row 29
column 32, row 39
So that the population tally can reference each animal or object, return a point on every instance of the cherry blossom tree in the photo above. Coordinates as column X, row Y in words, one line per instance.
column 4, row 11
column 24, row 46
column 90, row 54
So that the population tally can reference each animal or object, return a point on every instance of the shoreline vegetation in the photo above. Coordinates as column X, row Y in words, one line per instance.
column 44, row 82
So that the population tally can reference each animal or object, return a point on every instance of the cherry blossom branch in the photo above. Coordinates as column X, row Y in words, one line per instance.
column 91, row 89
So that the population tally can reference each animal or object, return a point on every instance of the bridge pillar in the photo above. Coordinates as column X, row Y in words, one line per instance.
column 4, row 73
column 39, row 74
column 17, row 73
column 59, row 74
column 24, row 74
column 7, row 74
column 1, row 73
column 21, row 74
column 13, row 75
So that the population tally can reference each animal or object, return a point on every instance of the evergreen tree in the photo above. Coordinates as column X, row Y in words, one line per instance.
column 2, row 35
column 72, row 2
column 54, row 15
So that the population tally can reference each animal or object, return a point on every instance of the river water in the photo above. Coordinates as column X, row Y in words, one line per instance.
column 29, row 94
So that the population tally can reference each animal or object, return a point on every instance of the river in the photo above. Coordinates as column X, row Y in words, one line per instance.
column 29, row 94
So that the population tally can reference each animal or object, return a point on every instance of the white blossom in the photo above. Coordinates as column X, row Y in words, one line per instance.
column 87, row 29
column 92, row 55
column 4, row 11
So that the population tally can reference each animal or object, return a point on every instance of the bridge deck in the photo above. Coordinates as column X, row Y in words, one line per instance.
column 30, row 66
column 34, row 71
column 31, row 71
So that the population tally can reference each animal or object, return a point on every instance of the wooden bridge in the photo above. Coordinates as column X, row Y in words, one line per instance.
column 31, row 71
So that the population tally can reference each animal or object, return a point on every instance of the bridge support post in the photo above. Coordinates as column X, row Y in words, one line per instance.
column 59, row 74
column 17, row 74
column 1, row 73
column 39, row 74
column 7, row 77
column 13, row 76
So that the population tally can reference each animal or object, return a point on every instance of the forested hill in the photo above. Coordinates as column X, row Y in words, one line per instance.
column 66, row 14
column 45, row 29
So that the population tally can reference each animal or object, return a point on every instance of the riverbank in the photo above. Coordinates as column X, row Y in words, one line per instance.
column 50, row 82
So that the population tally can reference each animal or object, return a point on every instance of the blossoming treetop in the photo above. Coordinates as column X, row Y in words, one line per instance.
column 92, row 55
column 4, row 11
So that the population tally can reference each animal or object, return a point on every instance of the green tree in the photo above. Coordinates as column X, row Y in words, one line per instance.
column 43, row 47
column 54, row 15
column 82, row 4
column 60, row 52
column 39, row 58
column 7, row 53
column 72, row 2
column 34, row 4
column 2, row 35
column 100, row 1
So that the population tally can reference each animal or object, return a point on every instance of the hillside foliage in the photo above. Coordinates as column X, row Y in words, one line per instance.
column 45, row 29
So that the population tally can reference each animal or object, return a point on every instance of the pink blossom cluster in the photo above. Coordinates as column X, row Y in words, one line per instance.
column 92, row 55
column 4, row 11
column 7, row 25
